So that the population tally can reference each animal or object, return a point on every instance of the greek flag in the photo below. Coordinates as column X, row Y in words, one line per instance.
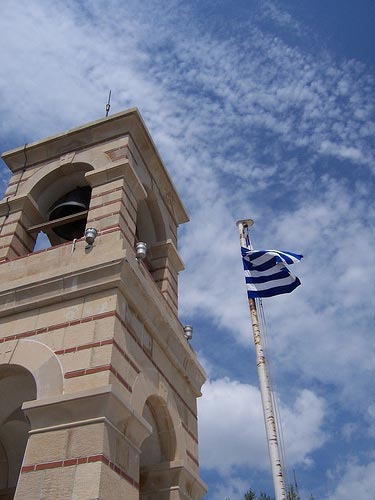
column 266, row 274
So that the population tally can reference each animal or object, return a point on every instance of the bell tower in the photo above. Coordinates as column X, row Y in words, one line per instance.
column 98, row 384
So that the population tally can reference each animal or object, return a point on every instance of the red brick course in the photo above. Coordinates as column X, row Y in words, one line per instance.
column 100, row 457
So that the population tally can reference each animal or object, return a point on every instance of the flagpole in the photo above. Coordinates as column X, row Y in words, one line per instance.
column 264, row 384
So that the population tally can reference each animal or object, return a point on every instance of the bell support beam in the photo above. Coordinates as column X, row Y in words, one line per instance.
column 58, row 222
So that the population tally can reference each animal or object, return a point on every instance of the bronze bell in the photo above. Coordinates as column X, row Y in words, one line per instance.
column 71, row 203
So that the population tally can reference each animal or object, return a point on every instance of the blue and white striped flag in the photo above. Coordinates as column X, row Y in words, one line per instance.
column 266, row 274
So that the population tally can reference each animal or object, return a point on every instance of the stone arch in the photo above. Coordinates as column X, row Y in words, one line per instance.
column 17, row 385
column 158, row 450
column 150, row 225
column 51, row 179
column 160, row 446
column 39, row 360
column 46, row 187
column 149, row 391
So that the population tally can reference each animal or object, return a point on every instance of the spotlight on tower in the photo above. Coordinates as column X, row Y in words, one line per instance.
column 188, row 332
column 140, row 250
column 90, row 235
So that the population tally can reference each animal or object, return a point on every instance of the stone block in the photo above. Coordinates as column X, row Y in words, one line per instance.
column 76, row 360
column 58, row 483
column 53, row 339
column 17, row 323
column 103, row 211
column 62, row 313
column 87, row 381
column 99, row 303
column 85, row 440
column 87, row 481
column 104, row 328
column 114, row 487
column 79, row 334
column 29, row 486
column 46, row 447
column 101, row 355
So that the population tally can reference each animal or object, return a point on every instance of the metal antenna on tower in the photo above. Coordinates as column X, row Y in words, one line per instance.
column 108, row 105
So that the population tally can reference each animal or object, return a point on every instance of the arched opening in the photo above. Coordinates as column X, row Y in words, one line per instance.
column 17, row 385
column 63, row 198
column 150, row 224
column 157, row 450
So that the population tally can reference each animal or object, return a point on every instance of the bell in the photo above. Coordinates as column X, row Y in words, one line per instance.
column 71, row 203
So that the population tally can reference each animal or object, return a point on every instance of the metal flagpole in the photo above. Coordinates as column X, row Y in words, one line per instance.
column 264, row 384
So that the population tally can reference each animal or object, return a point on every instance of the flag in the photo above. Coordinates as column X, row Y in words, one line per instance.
column 266, row 273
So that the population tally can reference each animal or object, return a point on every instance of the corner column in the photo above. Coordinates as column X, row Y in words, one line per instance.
column 116, row 190
column 165, row 266
column 16, row 216
column 78, row 449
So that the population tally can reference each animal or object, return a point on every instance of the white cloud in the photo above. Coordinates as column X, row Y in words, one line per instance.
column 231, row 488
column 303, row 427
column 232, row 427
column 346, row 152
column 355, row 481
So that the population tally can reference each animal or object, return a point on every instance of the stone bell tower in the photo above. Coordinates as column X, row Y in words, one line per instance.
column 98, row 384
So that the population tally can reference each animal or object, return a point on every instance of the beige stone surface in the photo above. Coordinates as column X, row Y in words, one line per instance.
column 101, row 355
column 80, row 334
column 60, row 313
column 84, row 440
column 87, row 481
column 104, row 328
column 58, row 484
column 30, row 486
column 99, row 303
column 53, row 339
column 76, row 360
column 114, row 487
column 84, row 382
column 46, row 447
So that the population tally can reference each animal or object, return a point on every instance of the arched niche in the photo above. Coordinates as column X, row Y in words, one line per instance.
column 150, row 225
column 160, row 446
column 158, row 450
column 17, row 385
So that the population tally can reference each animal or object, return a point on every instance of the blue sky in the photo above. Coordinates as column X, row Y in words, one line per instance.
column 260, row 109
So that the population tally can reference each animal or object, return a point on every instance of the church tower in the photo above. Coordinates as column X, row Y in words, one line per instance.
column 98, row 382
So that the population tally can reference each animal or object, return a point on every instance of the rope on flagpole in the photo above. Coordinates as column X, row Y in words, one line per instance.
column 274, row 392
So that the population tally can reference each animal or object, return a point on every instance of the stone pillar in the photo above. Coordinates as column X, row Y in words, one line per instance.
column 77, row 448
column 16, row 215
column 165, row 266
column 116, row 190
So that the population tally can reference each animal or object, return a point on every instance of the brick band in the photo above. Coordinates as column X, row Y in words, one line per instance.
column 97, row 369
column 100, row 457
